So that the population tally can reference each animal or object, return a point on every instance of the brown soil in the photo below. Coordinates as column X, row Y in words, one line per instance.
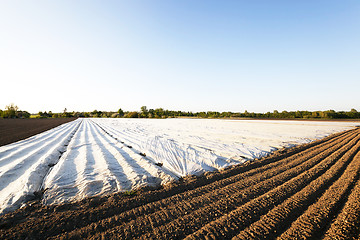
column 311, row 191
column 12, row 130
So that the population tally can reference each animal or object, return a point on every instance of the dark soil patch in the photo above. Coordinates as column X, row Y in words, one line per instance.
column 12, row 130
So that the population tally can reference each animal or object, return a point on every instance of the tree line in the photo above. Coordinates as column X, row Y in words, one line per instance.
column 12, row 111
column 329, row 114
column 163, row 113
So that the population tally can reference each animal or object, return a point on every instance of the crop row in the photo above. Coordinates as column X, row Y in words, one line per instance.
column 347, row 223
column 316, row 216
column 277, row 220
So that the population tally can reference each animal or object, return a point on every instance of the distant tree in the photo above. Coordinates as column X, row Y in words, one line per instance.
column 96, row 113
column 323, row 114
column 40, row 115
column 353, row 113
column 298, row 114
column 223, row 114
column 211, row 114
column 45, row 114
column 159, row 112
column 120, row 112
column 151, row 113
column 202, row 115
column 331, row 114
column 10, row 111
column 68, row 115
column 144, row 111
column 65, row 114
column 315, row 114
column 132, row 115
column 78, row 114
column 106, row 114
column 22, row 114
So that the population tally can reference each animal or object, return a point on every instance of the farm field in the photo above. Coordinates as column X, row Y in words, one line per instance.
column 193, row 146
column 12, row 130
column 309, row 191
column 96, row 157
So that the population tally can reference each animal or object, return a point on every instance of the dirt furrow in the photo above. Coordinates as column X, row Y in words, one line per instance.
column 191, row 210
column 227, row 225
column 276, row 221
column 347, row 222
column 309, row 224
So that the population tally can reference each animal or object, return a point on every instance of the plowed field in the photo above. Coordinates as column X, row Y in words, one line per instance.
column 12, row 130
column 310, row 191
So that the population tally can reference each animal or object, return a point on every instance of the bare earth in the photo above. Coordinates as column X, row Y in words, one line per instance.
column 307, row 192
column 12, row 130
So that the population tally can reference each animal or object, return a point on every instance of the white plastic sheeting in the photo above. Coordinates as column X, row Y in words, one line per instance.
column 24, row 164
column 192, row 146
column 97, row 164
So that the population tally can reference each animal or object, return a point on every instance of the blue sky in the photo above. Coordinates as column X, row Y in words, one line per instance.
column 180, row 55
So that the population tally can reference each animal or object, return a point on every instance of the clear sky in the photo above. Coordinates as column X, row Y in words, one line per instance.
column 186, row 55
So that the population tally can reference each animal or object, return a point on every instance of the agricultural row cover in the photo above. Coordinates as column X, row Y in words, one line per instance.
column 89, row 157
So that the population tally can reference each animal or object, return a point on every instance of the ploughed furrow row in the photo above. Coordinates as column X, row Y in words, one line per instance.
column 347, row 222
column 180, row 204
column 203, row 209
column 315, row 217
column 276, row 220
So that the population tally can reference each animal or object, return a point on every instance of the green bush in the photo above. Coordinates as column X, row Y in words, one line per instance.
column 132, row 115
